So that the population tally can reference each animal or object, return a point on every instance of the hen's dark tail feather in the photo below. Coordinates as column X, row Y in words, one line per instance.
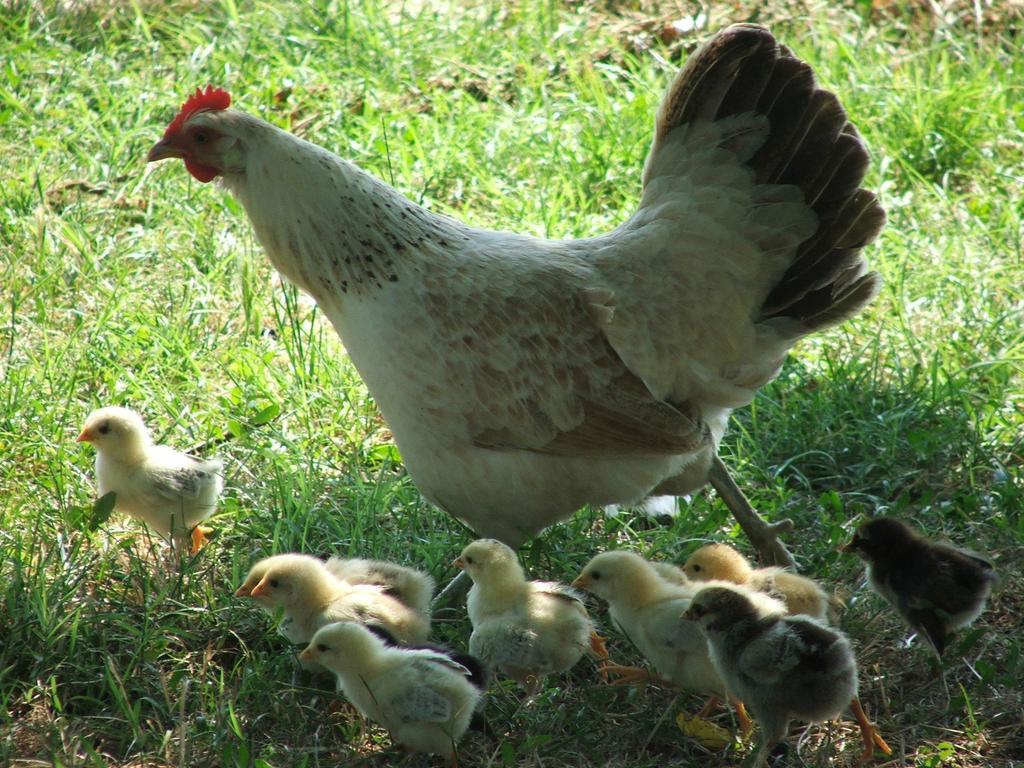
column 811, row 145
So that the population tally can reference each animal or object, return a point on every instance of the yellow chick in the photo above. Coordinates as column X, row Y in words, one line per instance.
column 646, row 606
column 525, row 629
column 311, row 596
column 782, row 667
column 414, row 588
column 169, row 490
column 423, row 697
column 722, row 562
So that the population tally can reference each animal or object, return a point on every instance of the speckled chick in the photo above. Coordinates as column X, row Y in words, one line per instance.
column 423, row 697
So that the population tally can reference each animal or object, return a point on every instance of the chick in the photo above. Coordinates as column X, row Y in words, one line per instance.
column 782, row 667
column 646, row 606
column 412, row 587
column 935, row 587
column 170, row 491
column 311, row 595
column 722, row 562
column 423, row 697
column 525, row 629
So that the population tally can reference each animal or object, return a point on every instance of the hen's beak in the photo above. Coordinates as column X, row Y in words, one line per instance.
column 458, row 562
column 162, row 150
column 84, row 436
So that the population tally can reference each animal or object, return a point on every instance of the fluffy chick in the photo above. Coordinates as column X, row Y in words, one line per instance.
column 935, row 587
column 782, row 667
column 722, row 562
column 169, row 490
column 412, row 587
column 311, row 596
column 646, row 606
column 525, row 629
column 423, row 697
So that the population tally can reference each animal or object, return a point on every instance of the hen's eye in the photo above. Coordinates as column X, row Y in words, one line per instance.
column 274, row 583
column 104, row 429
column 201, row 137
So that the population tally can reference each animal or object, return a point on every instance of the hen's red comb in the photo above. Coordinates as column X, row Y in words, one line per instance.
column 211, row 98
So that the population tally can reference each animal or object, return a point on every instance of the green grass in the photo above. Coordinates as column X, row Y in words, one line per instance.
column 150, row 290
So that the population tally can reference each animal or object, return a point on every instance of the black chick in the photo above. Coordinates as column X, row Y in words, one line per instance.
column 935, row 587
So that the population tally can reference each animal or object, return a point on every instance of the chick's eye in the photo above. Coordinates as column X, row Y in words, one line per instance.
column 595, row 575
column 104, row 429
column 469, row 560
column 696, row 569
column 275, row 583
column 321, row 647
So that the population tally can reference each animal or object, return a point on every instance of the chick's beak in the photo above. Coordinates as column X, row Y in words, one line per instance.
column 84, row 436
column 243, row 591
column 458, row 562
column 162, row 150
column 308, row 654
column 581, row 582
column 259, row 589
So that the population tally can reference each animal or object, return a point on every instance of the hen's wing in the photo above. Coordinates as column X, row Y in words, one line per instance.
column 748, row 236
column 528, row 365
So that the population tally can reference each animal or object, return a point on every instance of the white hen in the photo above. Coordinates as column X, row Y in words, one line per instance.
column 169, row 490
column 523, row 378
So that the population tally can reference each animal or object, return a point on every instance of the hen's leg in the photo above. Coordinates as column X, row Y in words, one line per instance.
column 764, row 536
column 454, row 593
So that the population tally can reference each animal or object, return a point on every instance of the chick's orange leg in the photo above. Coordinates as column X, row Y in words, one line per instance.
column 709, row 708
column 600, row 650
column 868, row 733
column 626, row 675
column 746, row 723
column 199, row 534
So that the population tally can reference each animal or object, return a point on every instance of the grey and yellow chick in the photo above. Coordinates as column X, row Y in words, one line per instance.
column 524, row 629
column 783, row 667
column 723, row 562
column 170, row 491
column 311, row 595
column 423, row 697
column 936, row 587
